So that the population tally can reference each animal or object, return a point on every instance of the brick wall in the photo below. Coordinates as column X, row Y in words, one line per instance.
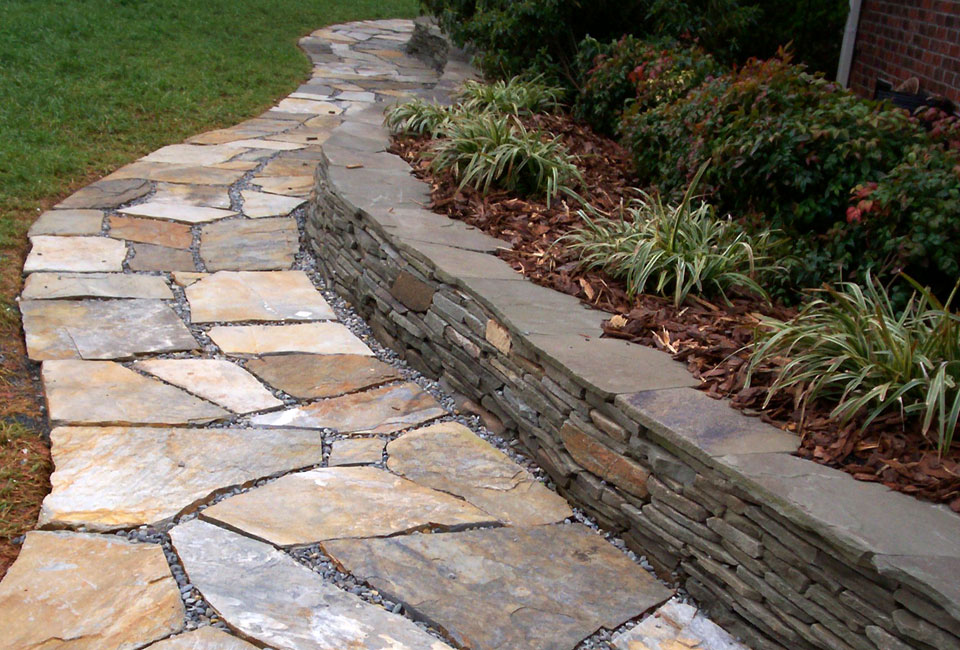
column 898, row 39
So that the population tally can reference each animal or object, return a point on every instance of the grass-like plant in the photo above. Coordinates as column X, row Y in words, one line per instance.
column 674, row 250
column 516, row 96
column 419, row 117
column 854, row 347
column 495, row 150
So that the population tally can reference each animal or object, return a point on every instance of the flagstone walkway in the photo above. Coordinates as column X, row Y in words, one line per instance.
column 238, row 465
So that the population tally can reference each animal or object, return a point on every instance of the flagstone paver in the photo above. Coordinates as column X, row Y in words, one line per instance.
column 268, row 596
column 79, row 254
column 256, row 296
column 107, row 329
column 450, row 457
column 177, row 431
column 87, row 592
column 381, row 410
column 218, row 381
column 311, row 376
column 522, row 588
column 48, row 286
column 340, row 502
column 67, row 222
column 117, row 477
column 250, row 245
column 317, row 338
column 676, row 626
column 105, row 392
column 356, row 451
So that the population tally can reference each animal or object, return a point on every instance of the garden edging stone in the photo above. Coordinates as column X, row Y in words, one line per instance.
column 532, row 357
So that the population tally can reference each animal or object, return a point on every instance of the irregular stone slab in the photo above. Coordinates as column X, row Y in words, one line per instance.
column 382, row 410
column 356, row 451
column 148, row 257
column 288, row 166
column 257, row 143
column 178, row 212
column 191, row 154
column 205, row 638
column 676, row 626
column 96, row 329
column 268, row 596
column 48, row 286
column 67, row 222
column 286, row 185
column 341, row 502
column 107, row 194
column 79, row 254
column 310, row 376
column 256, row 296
column 451, row 458
column 206, row 196
column 250, row 244
column 218, row 381
column 169, row 173
column 260, row 204
column 151, row 231
column 88, row 591
column 533, row 588
column 119, row 477
column 186, row 278
column 309, row 107
column 104, row 392
column 317, row 338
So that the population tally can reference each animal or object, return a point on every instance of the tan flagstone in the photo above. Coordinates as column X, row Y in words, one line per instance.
column 48, row 286
column 261, row 204
column 67, row 222
column 204, row 638
column 79, row 254
column 118, row 477
column 309, row 376
column 178, row 212
column 105, row 392
column 204, row 196
column 317, row 338
column 322, row 123
column 242, row 165
column 522, row 588
column 170, row 173
column 149, row 257
column 216, row 380
column 306, row 137
column 268, row 596
column 107, row 194
column 382, row 410
column 676, row 626
column 308, row 106
column 151, row 231
column 285, row 185
column 87, row 591
column 186, row 278
column 256, row 296
column 288, row 166
column 451, row 458
column 264, row 144
column 356, row 451
column 102, row 329
column 340, row 502
column 250, row 244
column 192, row 154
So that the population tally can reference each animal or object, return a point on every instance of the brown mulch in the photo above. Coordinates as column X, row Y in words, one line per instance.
column 712, row 339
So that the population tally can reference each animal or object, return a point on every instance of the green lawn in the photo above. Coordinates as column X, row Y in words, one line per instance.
column 87, row 85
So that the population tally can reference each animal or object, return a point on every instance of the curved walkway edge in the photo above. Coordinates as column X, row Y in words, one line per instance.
column 239, row 464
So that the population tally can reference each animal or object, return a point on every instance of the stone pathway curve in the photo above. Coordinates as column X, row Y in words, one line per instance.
column 238, row 464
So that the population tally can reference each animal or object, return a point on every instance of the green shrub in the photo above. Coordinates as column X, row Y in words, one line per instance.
column 855, row 348
column 517, row 96
column 417, row 117
column 494, row 150
column 635, row 75
column 673, row 250
column 814, row 28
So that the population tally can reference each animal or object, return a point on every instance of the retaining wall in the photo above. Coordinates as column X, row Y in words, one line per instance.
column 783, row 552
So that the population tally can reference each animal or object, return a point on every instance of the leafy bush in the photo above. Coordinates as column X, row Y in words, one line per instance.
column 787, row 148
column 854, row 347
column 814, row 28
column 491, row 149
column 516, row 96
column 635, row 75
column 673, row 250
column 417, row 117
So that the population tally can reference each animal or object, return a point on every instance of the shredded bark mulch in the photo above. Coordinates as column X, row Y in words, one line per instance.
column 712, row 339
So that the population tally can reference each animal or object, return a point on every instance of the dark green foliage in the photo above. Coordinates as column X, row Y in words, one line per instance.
column 814, row 28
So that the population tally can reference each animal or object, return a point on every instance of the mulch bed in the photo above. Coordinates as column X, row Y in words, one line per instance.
column 710, row 338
